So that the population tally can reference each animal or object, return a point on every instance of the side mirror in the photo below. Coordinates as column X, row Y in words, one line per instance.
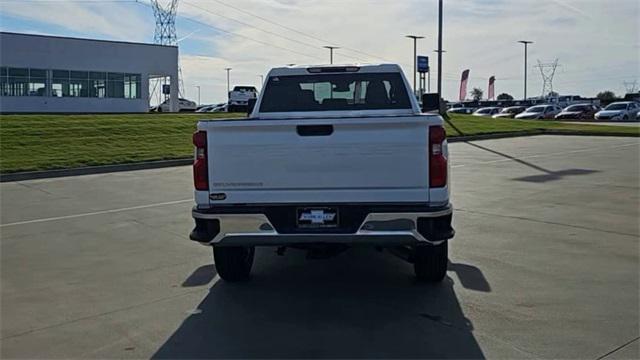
column 430, row 102
column 250, row 105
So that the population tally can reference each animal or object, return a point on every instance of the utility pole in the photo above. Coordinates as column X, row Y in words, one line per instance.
column 228, row 70
column 331, row 48
column 526, row 43
column 439, row 53
column 415, row 58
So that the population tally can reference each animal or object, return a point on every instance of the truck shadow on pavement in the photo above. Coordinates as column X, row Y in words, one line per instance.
column 546, row 174
column 361, row 304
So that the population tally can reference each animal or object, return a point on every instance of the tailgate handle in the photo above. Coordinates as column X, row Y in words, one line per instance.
column 314, row 130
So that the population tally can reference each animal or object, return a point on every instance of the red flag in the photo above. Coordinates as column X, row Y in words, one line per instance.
column 491, row 93
column 463, row 85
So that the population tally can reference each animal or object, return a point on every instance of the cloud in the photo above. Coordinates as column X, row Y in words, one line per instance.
column 480, row 35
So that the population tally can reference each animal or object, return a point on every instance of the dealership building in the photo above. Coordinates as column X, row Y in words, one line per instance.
column 51, row 74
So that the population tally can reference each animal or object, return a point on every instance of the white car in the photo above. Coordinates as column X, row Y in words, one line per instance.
column 619, row 111
column 239, row 97
column 330, row 157
column 540, row 112
column 183, row 105
column 213, row 108
column 487, row 111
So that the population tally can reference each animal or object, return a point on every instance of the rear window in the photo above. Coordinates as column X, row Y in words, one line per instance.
column 334, row 92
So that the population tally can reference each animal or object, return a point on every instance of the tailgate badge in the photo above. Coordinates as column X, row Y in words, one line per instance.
column 218, row 196
column 317, row 216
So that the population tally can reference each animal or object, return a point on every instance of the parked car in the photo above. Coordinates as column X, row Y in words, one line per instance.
column 183, row 105
column 619, row 111
column 239, row 97
column 578, row 111
column 461, row 110
column 539, row 112
column 314, row 171
column 509, row 112
column 486, row 111
column 212, row 108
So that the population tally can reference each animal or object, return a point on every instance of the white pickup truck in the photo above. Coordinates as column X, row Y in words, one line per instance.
column 329, row 157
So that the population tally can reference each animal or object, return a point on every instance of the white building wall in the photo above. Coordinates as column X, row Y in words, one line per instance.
column 59, row 53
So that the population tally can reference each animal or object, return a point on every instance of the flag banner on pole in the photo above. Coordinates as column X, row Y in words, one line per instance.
column 491, row 93
column 463, row 85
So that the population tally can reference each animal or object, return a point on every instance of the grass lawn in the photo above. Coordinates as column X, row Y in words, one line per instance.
column 39, row 142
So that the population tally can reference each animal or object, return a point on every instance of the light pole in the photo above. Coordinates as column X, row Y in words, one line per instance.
column 415, row 57
column 439, row 53
column 526, row 43
column 331, row 48
column 228, row 70
column 198, row 86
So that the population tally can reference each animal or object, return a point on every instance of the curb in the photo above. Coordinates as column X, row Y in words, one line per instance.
column 89, row 170
column 32, row 175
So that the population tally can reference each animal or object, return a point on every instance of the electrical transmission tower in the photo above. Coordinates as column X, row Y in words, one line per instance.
column 547, row 70
column 631, row 86
column 165, row 34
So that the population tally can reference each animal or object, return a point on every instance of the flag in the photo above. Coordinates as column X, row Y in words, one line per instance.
column 463, row 85
column 491, row 93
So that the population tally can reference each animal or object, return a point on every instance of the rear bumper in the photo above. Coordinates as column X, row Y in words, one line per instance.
column 383, row 225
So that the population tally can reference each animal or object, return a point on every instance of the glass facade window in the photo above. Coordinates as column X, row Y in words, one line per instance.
column 132, row 86
column 97, row 84
column 68, row 83
column 37, row 82
column 115, row 86
column 79, row 83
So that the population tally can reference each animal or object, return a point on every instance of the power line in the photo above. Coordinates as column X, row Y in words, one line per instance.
column 296, row 31
column 252, row 26
column 227, row 32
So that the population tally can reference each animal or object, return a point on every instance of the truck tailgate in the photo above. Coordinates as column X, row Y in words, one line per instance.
column 319, row 160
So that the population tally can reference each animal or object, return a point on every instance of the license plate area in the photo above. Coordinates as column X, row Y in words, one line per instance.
column 317, row 217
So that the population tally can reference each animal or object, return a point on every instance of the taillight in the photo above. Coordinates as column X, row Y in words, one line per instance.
column 200, row 168
column 437, row 158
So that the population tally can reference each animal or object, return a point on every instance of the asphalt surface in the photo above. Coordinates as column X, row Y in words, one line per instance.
column 544, row 265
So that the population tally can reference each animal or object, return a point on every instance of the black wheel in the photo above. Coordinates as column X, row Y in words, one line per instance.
column 233, row 263
column 430, row 262
column 625, row 118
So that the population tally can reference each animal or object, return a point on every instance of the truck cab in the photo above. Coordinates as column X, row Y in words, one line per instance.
column 330, row 157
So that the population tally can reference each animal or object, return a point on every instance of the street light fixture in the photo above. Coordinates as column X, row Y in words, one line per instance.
column 415, row 58
column 526, row 43
column 331, row 48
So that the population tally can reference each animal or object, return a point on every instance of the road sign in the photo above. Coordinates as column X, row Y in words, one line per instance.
column 423, row 64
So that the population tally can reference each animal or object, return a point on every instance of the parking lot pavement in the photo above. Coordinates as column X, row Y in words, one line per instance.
column 544, row 264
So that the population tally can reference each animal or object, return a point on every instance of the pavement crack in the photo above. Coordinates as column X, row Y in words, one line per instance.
column 547, row 222
column 619, row 348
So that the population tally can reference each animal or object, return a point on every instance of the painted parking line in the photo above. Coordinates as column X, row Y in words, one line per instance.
column 33, row 221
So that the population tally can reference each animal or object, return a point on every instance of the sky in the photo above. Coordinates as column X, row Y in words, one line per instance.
column 596, row 42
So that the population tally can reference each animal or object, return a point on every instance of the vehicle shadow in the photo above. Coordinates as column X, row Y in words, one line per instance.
column 200, row 276
column 547, row 175
column 361, row 304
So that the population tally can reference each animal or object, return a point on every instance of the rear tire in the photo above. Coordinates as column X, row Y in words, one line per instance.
column 625, row 118
column 233, row 263
column 430, row 262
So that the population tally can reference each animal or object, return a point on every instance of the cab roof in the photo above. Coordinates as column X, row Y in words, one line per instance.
column 339, row 68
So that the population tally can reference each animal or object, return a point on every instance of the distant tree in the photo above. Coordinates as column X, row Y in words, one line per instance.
column 606, row 96
column 505, row 96
column 476, row 94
